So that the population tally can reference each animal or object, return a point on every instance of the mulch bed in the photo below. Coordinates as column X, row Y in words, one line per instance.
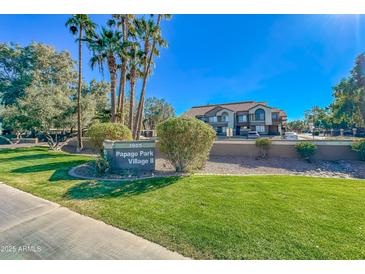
column 88, row 171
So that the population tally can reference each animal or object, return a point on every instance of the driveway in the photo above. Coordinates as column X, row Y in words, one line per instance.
column 33, row 228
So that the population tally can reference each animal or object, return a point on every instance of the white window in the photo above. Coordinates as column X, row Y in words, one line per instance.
column 242, row 118
column 213, row 119
column 260, row 115
column 260, row 128
column 224, row 129
column 224, row 117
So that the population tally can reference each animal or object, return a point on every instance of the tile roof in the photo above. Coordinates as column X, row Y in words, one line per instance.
column 237, row 106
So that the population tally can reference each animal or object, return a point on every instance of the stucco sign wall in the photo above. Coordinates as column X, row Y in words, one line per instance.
column 134, row 155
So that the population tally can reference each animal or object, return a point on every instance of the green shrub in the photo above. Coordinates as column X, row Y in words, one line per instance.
column 107, row 131
column 306, row 150
column 186, row 142
column 316, row 133
column 101, row 165
column 359, row 147
column 264, row 145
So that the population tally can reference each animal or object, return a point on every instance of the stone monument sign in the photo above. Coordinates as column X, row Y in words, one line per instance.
column 130, row 155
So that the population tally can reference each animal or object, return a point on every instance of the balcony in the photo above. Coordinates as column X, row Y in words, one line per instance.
column 218, row 120
column 257, row 120
column 276, row 121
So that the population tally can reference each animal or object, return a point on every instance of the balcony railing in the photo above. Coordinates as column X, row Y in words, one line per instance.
column 218, row 120
column 253, row 119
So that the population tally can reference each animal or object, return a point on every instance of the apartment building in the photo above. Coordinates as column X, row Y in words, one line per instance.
column 241, row 117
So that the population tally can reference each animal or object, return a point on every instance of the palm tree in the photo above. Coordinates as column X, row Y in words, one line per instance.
column 125, row 22
column 150, row 33
column 105, row 47
column 80, row 24
column 134, row 62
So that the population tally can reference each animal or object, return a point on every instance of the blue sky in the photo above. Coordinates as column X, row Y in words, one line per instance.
column 289, row 61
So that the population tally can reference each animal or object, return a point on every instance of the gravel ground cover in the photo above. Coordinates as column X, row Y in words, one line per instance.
column 320, row 168
column 291, row 166
column 247, row 166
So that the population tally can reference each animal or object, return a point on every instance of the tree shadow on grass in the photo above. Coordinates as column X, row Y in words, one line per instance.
column 33, row 157
column 60, row 169
column 22, row 149
column 108, row 189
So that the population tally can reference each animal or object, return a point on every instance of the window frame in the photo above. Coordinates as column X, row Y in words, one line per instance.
column 243, row 120
column 258, row 113
column 212, row 119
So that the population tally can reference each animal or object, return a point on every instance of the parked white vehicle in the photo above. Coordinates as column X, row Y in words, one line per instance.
column 253, row 135
column 290, row 136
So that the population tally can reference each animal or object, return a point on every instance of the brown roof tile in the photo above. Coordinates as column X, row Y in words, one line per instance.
column 237, row 106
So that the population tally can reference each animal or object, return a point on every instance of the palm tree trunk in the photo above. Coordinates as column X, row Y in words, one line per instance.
column 145, row 76
column 79, row 126
column 123, row 74
column 141, row 98
column 121, row 95
column 113, row 85
column 131, row 104
column 140, row 110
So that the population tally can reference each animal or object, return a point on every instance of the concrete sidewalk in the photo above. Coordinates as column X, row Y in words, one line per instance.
column 33, row 228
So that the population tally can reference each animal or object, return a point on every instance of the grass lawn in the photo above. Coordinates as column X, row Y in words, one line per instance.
column 222, row 217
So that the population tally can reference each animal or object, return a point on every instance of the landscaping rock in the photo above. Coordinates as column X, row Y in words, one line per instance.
column 319, row 168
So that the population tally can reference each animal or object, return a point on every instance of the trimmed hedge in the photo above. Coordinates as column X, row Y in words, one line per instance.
column 186, row 142
column 107, row 131
column 101, row 165
column 306, row 150
column 359, row 147
column 264, row 145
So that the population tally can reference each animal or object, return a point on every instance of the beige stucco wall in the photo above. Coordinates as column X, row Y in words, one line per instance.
column 326, row 150
column 268, row 119
column 230, row 116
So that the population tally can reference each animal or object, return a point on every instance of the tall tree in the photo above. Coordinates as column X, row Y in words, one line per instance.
column 150, row 33
column 98, row 92
column 16, row 71
column 80, row 24
column 134, row 63
column 297, row 126
column 125, row 23
column 53, row 112
column 20, row 67
column 157, row 111
column 358, row 74
column 319, row 117
column 346, row 106
column 105, row 47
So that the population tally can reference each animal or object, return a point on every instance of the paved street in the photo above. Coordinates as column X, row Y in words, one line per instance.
column 33, row 228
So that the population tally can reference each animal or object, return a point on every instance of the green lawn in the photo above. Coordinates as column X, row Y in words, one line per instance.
column 223, row 217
